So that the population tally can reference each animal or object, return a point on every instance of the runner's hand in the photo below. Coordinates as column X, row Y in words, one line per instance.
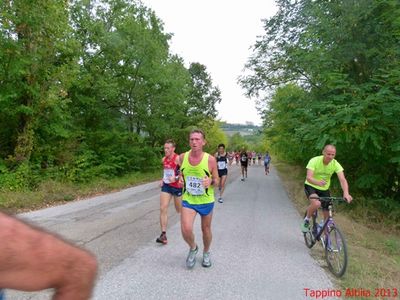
column 206, row 181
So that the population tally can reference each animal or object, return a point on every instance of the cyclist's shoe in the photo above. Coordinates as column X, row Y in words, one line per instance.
column 191, row 258
column 162, row 239
column 305, row 226
column 220, row 200
column 206, row 260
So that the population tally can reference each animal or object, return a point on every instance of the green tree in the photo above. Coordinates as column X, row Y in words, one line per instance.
column 203, row 95
column 237, row 142
column 336, row 63
column 37, row 58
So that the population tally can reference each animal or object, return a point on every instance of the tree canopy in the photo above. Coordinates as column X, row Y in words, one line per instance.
column 329, row 72
column 91, row 89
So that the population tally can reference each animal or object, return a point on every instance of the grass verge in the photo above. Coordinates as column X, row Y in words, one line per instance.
column 50, row 193
column 374, row 251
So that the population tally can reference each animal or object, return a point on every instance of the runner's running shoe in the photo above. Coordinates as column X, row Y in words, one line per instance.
column 206, row 260
column 162, row 239
column 191, row 258
column 220, row 200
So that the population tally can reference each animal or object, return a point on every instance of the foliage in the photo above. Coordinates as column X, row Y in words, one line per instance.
column 214, row 135
column 334, row 68
column 237, row 142
column 91, row 90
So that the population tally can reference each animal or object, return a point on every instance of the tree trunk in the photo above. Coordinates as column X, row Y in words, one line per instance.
column 24, row 145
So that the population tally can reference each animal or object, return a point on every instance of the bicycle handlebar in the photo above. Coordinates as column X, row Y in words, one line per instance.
column 328, row 199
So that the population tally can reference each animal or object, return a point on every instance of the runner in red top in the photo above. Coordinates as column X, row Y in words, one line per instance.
column 171, row 186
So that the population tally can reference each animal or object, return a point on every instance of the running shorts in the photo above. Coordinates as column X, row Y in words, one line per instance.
column 166, row 188
column 308, row 189
column 222, row 172
column 202, row 209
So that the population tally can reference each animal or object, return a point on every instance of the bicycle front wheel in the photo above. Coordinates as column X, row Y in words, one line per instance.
column 336, row 252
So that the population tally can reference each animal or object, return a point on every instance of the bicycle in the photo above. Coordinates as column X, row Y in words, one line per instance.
column 330, row 236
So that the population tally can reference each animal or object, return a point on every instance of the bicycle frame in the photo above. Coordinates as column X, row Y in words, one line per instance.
column 331, row 238
column 328, row 223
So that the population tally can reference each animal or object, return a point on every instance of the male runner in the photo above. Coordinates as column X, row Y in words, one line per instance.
column 200, row 175
column 319, row 172
column 171, row 187
column 253, row 156
column 244, row 161
column 32, row 260
column 221, row 157
column 267, row 161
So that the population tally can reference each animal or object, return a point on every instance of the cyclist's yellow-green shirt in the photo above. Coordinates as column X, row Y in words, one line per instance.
column 194, row 192
column 322, row 171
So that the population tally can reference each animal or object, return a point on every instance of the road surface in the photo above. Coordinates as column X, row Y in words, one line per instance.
column 257, row 251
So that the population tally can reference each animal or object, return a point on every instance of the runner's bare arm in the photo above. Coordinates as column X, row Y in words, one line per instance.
column 212, row 166
column 32, row 259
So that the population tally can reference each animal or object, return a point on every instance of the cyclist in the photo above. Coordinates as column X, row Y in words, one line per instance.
column 319, row 172
column 221, row 157
column 171, row 187
column 200, row 175
column 32, row 260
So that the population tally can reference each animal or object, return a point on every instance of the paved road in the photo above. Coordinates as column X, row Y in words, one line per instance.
column 257, row 251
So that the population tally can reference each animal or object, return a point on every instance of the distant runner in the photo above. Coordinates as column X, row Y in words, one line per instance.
column 221, row 157
column 231, row 156
column 237, row 157
column 171, row 187
column 259, row 156
column 253, row 156
column 244, row 161
column 267, row 160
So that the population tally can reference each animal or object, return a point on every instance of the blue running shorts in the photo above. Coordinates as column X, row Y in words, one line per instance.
column 202, row 209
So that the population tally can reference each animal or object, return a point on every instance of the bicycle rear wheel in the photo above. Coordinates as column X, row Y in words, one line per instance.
column 308, row 236
column 336, row 252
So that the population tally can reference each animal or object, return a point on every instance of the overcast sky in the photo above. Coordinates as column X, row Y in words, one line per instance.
column 217, row 34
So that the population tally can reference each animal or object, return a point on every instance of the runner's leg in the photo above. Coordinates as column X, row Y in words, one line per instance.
column 187, row 219
column 164, row 202
column 178, row 203
column 206, row 229
column 222, row 185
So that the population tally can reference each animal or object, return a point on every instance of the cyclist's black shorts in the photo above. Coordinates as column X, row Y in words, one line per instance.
column 308, row 189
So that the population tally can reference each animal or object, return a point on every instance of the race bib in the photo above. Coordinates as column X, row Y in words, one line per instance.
column 221, row 165
column 194, row 185
column 244, row 158
column 167, row 174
